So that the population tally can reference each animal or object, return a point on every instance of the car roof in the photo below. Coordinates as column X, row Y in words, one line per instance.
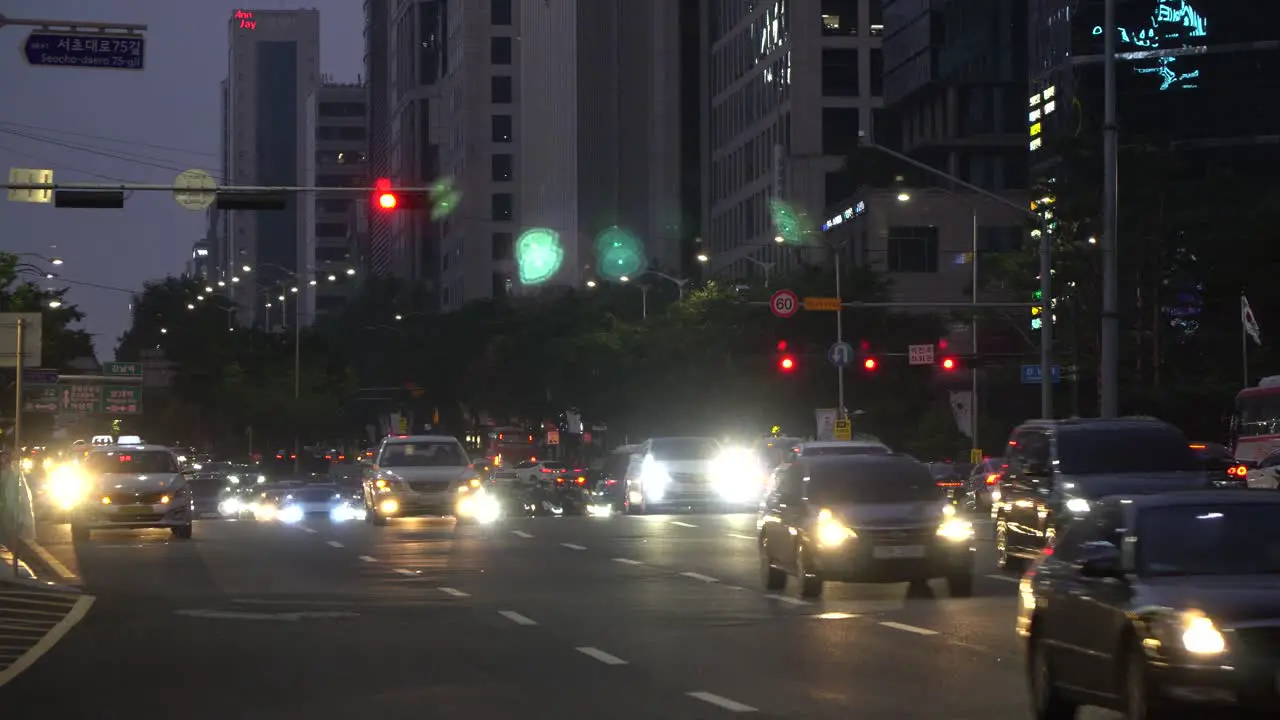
column 840, row 443
column 1233, row 496
column 872, row 459
column 135, row 448
column 406, row 439
column 1122, row 423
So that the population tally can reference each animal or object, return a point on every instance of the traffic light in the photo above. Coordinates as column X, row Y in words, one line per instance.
column 387, row 199
column 96, row 199
column 786, row 363
column 870, row 364
column 949, row 363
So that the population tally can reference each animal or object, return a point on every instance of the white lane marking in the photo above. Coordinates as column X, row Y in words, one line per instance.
column 310, row 530
column 410, row 573
column 787, row 600
column 628, row 561
column 721, row 702
column 601, row 655
column 1005, row 578
column 320, row 603
column 333, row 543
column 51, row 561
column 455, row 592
column 908, row 628
column 516, row 617
column 367, row 558
column 683, row 524
column 521, row 533
column 700, row 576
column 740, row 536
column 46, row 643
column 571, row 546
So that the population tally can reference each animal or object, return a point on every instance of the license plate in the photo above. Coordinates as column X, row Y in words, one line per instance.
column 897, row 552
column 136, row 510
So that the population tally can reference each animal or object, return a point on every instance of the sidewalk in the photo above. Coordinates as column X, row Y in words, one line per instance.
column 6, row 567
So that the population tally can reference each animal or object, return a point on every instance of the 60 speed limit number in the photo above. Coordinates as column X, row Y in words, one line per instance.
column 784, row 304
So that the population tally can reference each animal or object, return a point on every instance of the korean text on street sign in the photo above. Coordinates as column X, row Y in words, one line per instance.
column 91, row 50
column 822, row 304
column 80, row 398
column 840, row 354
column 29, row 176
column 1031, row 374
column 122, row 399
column 122, row 369
column 784, row 304
column 843, row 430
column 40, row 398
column 920, row 354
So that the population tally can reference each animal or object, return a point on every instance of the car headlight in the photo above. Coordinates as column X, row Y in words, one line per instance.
column 233, row 479
column 654, row 479
column 1194, row 632
column 1078, row 505
column 28, row 464
column 290, row 514
column 955, row 529
column 230, row 506
column 67, row 486
column 829, row 531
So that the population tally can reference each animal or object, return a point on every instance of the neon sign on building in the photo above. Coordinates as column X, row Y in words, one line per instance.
column 245, row 17
column 1172, row 25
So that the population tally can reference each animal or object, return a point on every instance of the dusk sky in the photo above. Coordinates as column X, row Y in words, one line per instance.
column 164, row 119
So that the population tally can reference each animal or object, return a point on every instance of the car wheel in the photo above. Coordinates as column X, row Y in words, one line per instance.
column 960, row 585
column 80, row 533
column 182, row 532
column 810, row 582
column 1047, row 703
column 1140, row 701
column 1004, row 560
column 773, row 578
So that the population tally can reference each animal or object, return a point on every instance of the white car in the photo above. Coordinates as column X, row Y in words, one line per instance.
column 675, row 472
column 424, row 475
column 129, row 486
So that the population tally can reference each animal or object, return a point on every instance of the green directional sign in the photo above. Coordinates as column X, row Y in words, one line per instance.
column 122, row 399
column 122, row 369
column 40, row 398
column 80, row 398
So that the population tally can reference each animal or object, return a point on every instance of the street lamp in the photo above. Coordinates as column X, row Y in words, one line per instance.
column 765, row 266
column 702, row 258
column 680, row 282
column 55, row 304
column 591, row 283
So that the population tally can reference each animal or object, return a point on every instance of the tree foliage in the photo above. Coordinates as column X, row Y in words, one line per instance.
column 62, row 342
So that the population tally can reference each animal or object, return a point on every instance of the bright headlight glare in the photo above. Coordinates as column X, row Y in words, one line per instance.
column 955, row 529
column 291, row 514
column 67, row 485
column 1200, row 636
column 1078, row 505
column 28, row 464
column 654, row 478
column 829, row 531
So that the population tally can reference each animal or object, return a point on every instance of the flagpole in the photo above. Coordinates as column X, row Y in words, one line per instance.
column 1244, row 339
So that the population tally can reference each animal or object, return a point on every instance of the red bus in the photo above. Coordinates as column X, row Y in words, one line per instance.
column 1255, row 424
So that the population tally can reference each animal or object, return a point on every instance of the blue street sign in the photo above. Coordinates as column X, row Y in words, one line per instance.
column 109, row 51
column 840, row 354
column 1031, row 374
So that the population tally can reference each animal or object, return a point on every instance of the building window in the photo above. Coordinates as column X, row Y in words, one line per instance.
column 839, row 130
column 913, row 249
column 503, row 167
column 500, row 12
column 500, row 51
column 333, row 206
column 503, row 206
column 341, row 109
column 503, row 246
column 500, row 89
column 840, row 72
column 1005, row 239
column 877, row 72
column 502, row 129
column 331, row 230
column 840, row 17
column 876, row 18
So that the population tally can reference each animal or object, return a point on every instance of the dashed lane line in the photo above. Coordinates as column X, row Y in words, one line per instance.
column 721, row 702
column 311, row 531
column 77, row 612
column 521, row 533
column 455, row 592
column 787, row 599
column 700, row 577
column 409, row 573
column 368, row 559
column 740, row 536
column 517, row 618
column 602, row 656
column 333, row 543
column 683, row 524
column 1005, row 578
column 628, row 561
column 572, row 546
column 908, row 628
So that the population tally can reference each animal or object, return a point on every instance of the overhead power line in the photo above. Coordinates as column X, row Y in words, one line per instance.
column 56, row 165
column 104, row 138
column 89, row 149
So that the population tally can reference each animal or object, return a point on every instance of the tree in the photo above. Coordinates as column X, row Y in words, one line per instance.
column 62, row 343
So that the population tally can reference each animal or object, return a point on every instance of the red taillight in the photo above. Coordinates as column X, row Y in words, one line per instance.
column 341, row 458
column 1238, row 471
column 581, row 480
column 946, row 483
column 992, row 478
column 292, row 456
column 559, row 481
column 610, row 482
column 279, row 456
column 328, row 457
column 547, row 470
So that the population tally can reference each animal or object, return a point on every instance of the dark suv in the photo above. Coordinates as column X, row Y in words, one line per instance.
column 1056, row 469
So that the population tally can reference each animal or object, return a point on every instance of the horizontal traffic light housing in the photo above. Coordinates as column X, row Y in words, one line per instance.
column 99, row 199
column 235, row 200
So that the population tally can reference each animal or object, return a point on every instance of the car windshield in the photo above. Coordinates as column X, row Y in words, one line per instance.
column 871, row 479
column 836, row 450
column 132, row 462
column 1098, row 451
column 1221, row 539
column 315, row 494
column 684, row 449
column 424, row 454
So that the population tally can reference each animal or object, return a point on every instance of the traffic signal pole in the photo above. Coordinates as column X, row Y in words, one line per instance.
column 841, row 412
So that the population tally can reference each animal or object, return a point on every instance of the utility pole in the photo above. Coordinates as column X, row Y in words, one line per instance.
column 1110, row 370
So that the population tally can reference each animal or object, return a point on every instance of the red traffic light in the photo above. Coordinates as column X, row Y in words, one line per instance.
column 383, row 196
column 387, row 201
column 782, row 345
column 870, row 364
column 787, row 363
column 948, row 363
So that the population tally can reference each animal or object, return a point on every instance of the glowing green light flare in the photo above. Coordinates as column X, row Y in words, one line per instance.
column 619, row 254
column 539, row 255
column 785, row 222
column 444, row 198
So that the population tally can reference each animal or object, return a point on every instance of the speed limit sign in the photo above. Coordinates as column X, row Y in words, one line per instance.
column 784, row 304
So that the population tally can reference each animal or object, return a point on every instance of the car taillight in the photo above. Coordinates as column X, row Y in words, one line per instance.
column 559, row 481
column 949, row 483
column 992, row 478
column 581, row 480
column 1238, row 471
column 610, row 482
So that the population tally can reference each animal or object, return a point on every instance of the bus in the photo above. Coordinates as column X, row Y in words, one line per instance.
column 505, row 446
column 1255, row 424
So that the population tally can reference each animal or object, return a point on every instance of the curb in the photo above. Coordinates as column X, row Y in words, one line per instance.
column 46, row 565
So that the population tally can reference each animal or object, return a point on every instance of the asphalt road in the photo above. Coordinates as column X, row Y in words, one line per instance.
column 622, row 617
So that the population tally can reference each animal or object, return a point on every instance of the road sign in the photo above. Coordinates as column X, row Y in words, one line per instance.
column 40, row 398
column 91, row 50
column 975, row 456
column 822, row 304
column 1031, row 374
column 843, row 430
column 840, row 354
column 920, row 354
column 32, row 339
column 30, row 176
column 784, row 304
column 122, row 369
column 122, row 399
column 194, row 189
column 39, row 377
column 80, row 398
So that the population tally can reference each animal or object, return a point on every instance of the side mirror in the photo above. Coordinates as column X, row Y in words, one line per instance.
column 1100, row 560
